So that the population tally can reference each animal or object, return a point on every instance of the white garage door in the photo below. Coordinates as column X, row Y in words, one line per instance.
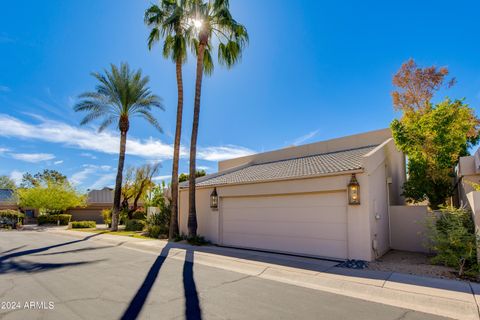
column 313, row 224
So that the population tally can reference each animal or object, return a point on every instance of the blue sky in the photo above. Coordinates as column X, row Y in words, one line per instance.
column 313, row 70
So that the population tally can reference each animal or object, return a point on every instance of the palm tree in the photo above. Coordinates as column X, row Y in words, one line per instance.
column 210, row 19
column 168, row 21
column 120, row 94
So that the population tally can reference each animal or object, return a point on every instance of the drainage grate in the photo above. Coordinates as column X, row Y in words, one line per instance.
column 353, row 264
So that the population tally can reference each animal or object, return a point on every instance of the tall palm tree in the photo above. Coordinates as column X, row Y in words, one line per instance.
column 209, row 20
column 168, row 21
column 120, row 94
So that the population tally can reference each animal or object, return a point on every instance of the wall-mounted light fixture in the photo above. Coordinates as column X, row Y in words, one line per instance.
column 353, row 191
column 214, row 199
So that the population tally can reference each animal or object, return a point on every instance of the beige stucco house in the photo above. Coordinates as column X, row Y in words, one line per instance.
column 295, row 200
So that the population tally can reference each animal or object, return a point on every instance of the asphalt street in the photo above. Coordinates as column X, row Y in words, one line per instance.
column 51, row 276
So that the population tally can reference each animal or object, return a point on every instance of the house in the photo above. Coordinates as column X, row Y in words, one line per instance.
column 97, row 200
column 296, row 200
column 7, row 199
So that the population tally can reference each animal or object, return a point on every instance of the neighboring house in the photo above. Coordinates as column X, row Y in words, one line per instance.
column 8, row 200
column 468, row 172
column 97, row 200
column 295, row 200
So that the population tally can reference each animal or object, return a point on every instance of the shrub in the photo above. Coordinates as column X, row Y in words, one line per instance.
column 53, row 218
column 196, row 240
column 139, row 215
column 11, row 217
column 454, row 240
column 107, row 217
column 154, row 231
column 83, row 224
column 135, row 225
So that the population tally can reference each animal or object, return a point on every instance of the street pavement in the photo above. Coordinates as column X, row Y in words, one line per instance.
column 51, row 276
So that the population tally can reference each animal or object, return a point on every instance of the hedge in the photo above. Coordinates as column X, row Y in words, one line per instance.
column 11, row 217
column 53, row 218
column 83, row 224
column 139, row 215
column 135, row 225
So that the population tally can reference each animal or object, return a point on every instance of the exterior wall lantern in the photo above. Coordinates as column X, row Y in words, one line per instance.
column 353, row 191
column 214, row 199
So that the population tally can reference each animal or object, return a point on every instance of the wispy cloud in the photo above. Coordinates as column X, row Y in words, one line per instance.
column 88, row 170
column 106, row 142
column 162, row 178
column 32, row 157
column 16, row 176
column 58, row 162
column 3, row 150
column 88, row 155
column 4, row 89
column 223, row 152
column 104, row 180
column 305, row 138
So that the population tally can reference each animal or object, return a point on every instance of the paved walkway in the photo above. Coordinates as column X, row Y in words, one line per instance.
column 449, row 298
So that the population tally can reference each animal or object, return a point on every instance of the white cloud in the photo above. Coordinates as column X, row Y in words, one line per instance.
column 305, row 138
column 88, row 155
column 3, row 150
column 87, row 171
column 106, row 142
column 58, row 162
column 223, row 152
column 161, row 178
column 4, row 89
column 32, row 157
column 16, row 176
column 104, row 180
column 204, row 168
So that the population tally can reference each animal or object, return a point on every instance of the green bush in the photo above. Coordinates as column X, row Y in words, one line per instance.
column 154, row 231
column 454, row 241
column 139, row 215
column 11, row 217
column 107, row 216
column 135, row 225
column 53, row 218
column 196, row 240
column 83, row 224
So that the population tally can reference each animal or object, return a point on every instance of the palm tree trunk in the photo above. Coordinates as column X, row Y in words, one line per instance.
column 192, row 212
column 118, row 182
column 176, row 153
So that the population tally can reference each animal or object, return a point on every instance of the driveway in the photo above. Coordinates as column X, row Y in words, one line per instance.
column 52, row 276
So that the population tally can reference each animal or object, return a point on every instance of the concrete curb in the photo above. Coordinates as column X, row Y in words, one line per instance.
column 448, row 298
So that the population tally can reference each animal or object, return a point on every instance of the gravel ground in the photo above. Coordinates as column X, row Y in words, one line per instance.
column 411, row 263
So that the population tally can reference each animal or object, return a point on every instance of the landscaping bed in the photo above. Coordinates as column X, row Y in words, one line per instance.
column 412, row 263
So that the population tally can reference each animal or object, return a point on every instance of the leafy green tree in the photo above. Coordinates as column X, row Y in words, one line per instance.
column 44, row 177
column 167, row 20
column 120, row 94
column 211, row 23
column 185, row 177
column 7, row 183
column 50, row 197
column 433, row 142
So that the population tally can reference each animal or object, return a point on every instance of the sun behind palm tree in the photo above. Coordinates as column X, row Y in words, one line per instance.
column 120, row 94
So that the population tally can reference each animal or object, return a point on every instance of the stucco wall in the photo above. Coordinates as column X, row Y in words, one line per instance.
column 91, row 213
column 359, row 242
column 408, row 227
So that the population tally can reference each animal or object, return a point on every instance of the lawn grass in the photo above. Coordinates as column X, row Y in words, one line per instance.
column 133, row 234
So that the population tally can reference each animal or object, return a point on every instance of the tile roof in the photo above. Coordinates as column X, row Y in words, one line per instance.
column 6, row 195
column 326, row 163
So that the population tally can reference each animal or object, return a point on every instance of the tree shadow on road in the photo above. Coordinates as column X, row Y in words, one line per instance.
column 192, row 303
column 136, row 304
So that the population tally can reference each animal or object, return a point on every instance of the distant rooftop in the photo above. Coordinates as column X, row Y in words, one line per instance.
column 6, row 195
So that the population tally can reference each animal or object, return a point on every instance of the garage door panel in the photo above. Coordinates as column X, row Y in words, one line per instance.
column 333, row 214
column 311, row 224
column 295, row 229
column 306, row 246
